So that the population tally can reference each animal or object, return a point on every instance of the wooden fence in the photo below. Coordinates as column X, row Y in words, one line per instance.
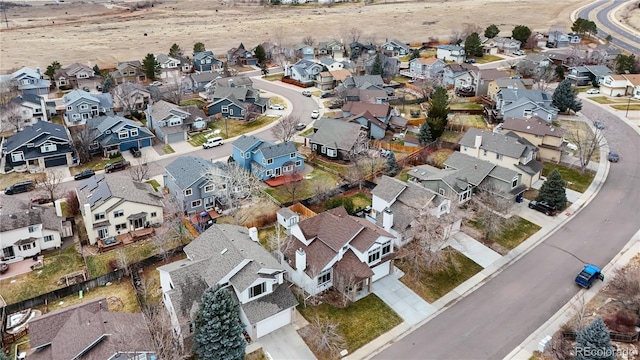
column 11, row 338
column 615, row 336
column 302, row 210
column 394, row 147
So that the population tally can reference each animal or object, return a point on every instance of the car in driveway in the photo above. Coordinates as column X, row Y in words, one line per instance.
column 117, row 166
column 315, row 114
column 598, row 124
column 276, row 107
column 335, row 105
column 306, row 93
column 156, row 83
column 470, row 61
column 135, row 152
column 326, row 94
column 41, row 199
column 589, row 274
column 84, row 175
column 300, row 126
column 543, row 207
column 613, row 156
column 593, row 91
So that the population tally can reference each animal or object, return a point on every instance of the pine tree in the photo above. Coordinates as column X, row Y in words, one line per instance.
column 151, row 67
column 438, row 111
column 218, row 329
column 564, row 98
column 473, row 45
column 175, row 51
column 553, row 190
column 377, row 66
column 594, row 342
column 415, row 54
column 51, row 69
column 198, row 47
column 260, row 54
column 392, row 169
column 521, row 33
column 424, row 136
column 491, row 31
column 559, row 72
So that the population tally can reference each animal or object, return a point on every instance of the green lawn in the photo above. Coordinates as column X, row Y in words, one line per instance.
column 273, row 77
column 167, row 149
column 476, row 121
column 516, row 233
column 97, row 163
column 154, row 183
column 487, row 59
column 306, row 188
column 632, row 107
column 122, row 290
column 231, row 128
column 197, row 102
column 451, row 136
column 47, row 279
column 465, row 106
column 99, row 264
column 339, row 168
column 359, row 323
column 433, row 284
column 576, row 180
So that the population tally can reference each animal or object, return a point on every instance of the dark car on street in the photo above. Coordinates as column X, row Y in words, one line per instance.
column 135, row 152
column 326, row 94
column 84, row 175
column 543, row 207
column 117, row 166
column 598, row 124
column 588, row 275
column 20, row 187
column 42, row 199
column 613, row 156
column 335, row 105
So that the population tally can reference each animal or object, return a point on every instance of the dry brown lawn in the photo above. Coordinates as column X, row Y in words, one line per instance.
column 104, row 34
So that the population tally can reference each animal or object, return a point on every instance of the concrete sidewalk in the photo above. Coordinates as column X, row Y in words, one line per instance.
column 409, row 305
column 473, row 249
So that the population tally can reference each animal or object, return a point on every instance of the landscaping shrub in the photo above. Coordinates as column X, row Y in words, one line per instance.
column 621, row 321
column 340, row 201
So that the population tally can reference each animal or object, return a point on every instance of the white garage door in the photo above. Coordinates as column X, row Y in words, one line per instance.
column 273, row 323
column 381, row 270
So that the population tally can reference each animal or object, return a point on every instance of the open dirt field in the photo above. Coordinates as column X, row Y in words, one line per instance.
column 632, row 18
column 107, row 33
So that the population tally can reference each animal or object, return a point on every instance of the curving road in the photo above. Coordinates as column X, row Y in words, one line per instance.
column 493, row 320
column 620, row 36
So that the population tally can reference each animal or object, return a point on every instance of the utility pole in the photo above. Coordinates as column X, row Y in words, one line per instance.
column 4, row 13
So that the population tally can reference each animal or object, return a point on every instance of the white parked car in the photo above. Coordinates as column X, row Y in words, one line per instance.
column 571, row 146
column 593, row 91
column 213, row 142
column 315, row 114
column 276, row 107
column 156, row 83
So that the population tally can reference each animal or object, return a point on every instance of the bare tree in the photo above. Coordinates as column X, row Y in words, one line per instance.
column 8, row 90
column 140, row 170
column 308, row 40
column 165, row 344
column 165, row 237
column 293, row 185
column 285, row 128
column 587, row 142
column 354, row 34
column 174, row 89
column 251, row 113
column 543, row 76
column 12, row 117
column 470, row 28
column 626, row 286
column 82, row 141
column 280, row 243
column 123, row 261
column 325, row 336
column 240, row 187
column 51, row 182
column 128, row 96
column 320, row 187
column 492, row 209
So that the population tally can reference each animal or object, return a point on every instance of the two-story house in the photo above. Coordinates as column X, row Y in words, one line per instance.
column 334, row 138
column 358, row 49
column 225, row 255
column 265, row 159
column 117, row 205
column 500, row 44
column 560, row 39
column 130, row 96
column 621, row 85
column 485, row 76
column 205, row 61
column 396, row 205
column 21, row 111
column 461, row 76
column 588, row 74
column 373, row 117
column 80, row 106
column 424, row 68
column 76, row 76
column 335, row 249
column 373, row 96
column 304, row 71
column 116, row 134
column 196, row 184
column 304, row 52
column 30, row 81
column 548, row 138
column 332, row 48
column 516, row 103
column 26, row 230
column 395, row 47
column 390, row 65
column 172, row 123
column 199, row 81
column 449, row 52
column 41, row 145
column 503, row 83
column 241, row 56
column 533, row 64
column 507, row 150
column 128, row 71
column 332, row 64
column 170, row 66
column 234, row 102
column 364, row 82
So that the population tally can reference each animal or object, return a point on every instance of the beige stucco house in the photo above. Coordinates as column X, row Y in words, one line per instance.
column 548, row 138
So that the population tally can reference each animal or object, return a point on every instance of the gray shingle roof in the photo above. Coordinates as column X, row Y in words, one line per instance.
column 41, row 131
column 98, row 125
column 272, row 151
column 336, row 134
column 161, row 110
column 19, row 214
column 188, row 169
column 388, row 188
column 281, row 299
column 98, row 189
column 74, row 95
column 494, row 142
column 247, row 142
column 470, row 169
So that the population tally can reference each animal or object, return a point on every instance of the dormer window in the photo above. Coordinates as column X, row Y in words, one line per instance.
column 293, row 155
column 258, row 290
column 134, row 132
column 48, row 148
column 123, row 134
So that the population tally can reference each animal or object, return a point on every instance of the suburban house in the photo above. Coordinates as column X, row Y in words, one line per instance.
column 205, row 61
column 324, row 81
column 358, row 49
column 507, row 150
column 604, row 54
column 335, row 139
column 76, row 76
column 516, row 103
column 332, row 64
column 373, row 117
column 41, row 145
column 559, row 39
column 390, row 65
column 241, row 56
column 304, row 52
column 265, row 159
column 196, row 184
column 397, row 204
column 198, row 82
column 27, row 230
column 548, row 138
column 424, row 68
column 621, row 85
column 128, row 71
column 30, row 81
column 226, row 255
column 463, row 173
column 500, row 44
column 172, row 123
column 170, row 66
column 332, row 48
column 448, row 52
column 80, row 106
column 117, row 205
column 335, row 249
column 461, row 76
column 115, row 134
column 373, row 96
column 503, row 83
column 304, row 71
column 485, row 76
column 130, row 96
column 235, row 102
column 395, row 48
column 588, row 74
column 534, row 64
column 365, row 82
column 23, row 110
column 90, row 331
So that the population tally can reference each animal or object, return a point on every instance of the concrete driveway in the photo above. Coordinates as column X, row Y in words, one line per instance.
column 286, row 344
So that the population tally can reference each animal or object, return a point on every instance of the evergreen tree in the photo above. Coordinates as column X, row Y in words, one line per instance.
column 198, row 47
column 473, row 45
column 564, row 98
column 584, row 26
column 260, row 54
column 521, row 33
column 96, row 70
column 559, row 72
column 175, row 51
column 415, row 54
column 626, row 63
column 377, row 66
column 218, row 329
column 4, row 356
column 491, row 31
column 151, row 67
column 424, row 136
column 51, row 69
column 553, row 190
column 594, row 342
column 438, row 111
column 392, row 169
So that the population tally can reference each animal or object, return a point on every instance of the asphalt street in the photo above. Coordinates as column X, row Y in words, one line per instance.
column 499, row 315
column 620, row 37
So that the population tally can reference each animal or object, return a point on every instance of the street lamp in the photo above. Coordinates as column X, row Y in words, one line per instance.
column 628, row 104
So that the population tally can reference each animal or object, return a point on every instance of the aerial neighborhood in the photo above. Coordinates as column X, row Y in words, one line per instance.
column 319, row 195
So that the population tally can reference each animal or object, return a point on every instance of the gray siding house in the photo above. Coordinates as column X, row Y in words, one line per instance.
column 80, row 106
column 172, row 123
column 518, row 103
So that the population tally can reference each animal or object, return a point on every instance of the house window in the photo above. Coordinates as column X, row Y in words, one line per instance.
column 26, row 247
column 441, row 191
column 224, row 109
column 196, row 203
column 121, row 227
column 528, row 112
column 69, row 108
column 123, row 135
column 188, row 192
column 247, row 155
column 258, row 290
column 386, row 248
column 514, row 182
column 314, row 147
column 287, row 168
column 298, row 163
column 134, row 132
column 17, row 156
column 529, row 157
column 324, row 277
column 332, row 152
column 374, row 255
column 484, row 153
column 75, row 116
column 118, row 213
column 99, row 216
column 209, row 188
column 33, row 229
column 83, row 107
column 293, row 155
column 269, row 161
column 48, row 238
column 498, row 156
column 269, row 172
column 154, row 214
column 323, row 149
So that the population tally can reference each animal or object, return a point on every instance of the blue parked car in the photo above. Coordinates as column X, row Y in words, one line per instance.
column 588, row 275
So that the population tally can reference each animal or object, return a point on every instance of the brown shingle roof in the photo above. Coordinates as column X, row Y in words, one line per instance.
column 358, row 107
column 352, row 268
column 534, row 125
